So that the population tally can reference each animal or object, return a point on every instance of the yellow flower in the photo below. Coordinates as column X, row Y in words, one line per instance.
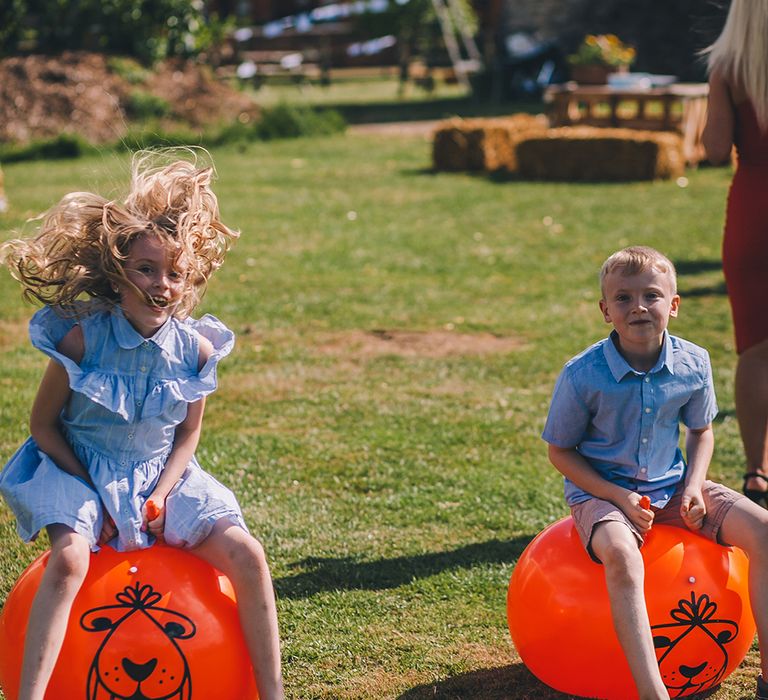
column 605, row 49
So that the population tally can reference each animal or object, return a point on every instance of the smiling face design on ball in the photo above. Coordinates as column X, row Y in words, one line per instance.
column 153, row 669
column 692, row 650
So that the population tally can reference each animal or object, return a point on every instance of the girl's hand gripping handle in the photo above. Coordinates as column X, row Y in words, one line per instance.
column 153, row 510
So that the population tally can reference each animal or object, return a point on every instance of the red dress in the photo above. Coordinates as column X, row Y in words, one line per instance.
column 745, row 244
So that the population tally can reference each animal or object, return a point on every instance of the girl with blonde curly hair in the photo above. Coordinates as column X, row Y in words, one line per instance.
column 118, row 413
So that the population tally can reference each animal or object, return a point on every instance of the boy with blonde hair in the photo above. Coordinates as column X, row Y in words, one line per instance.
column 613, row 432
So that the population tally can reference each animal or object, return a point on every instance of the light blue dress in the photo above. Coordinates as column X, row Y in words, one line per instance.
column 128, row 395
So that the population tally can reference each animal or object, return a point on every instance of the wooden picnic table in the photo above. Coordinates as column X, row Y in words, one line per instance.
column 679, row 107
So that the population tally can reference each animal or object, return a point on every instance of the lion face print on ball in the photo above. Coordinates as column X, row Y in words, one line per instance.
column 155, row 669
column 696, row 592
column 153, row 624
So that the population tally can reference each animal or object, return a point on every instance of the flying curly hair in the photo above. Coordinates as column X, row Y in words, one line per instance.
column 81, row 246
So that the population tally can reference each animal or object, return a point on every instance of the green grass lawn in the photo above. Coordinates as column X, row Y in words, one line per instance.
column 381, row 98
column 399, row 334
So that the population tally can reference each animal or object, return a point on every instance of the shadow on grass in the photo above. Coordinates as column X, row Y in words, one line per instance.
column 724, row 413
column 694, row 267
column 708, row 291
column 345, row 573
column 431, row 109
column 689, row 268
column 513, row 682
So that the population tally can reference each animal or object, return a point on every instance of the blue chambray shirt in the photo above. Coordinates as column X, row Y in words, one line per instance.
column 627, row 423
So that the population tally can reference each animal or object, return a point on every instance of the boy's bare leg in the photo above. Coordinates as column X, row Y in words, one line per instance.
column 751, row 389
column 746, row 526
column 616, row 547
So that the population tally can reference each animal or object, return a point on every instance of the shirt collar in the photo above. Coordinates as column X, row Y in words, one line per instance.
column 620, row 367
column 129, row 338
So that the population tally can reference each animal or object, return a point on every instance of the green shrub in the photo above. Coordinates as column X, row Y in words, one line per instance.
column 144, row 138
column 291, row 121
column 282, row 121
column 144, row 105
column 128, row 69
column 232, row 133
column 61, row 146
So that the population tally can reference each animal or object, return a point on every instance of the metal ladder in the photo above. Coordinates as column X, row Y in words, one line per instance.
column 453, row 21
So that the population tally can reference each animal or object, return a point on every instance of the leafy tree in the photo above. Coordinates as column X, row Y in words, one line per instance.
column 11, row 22
column 146, row 29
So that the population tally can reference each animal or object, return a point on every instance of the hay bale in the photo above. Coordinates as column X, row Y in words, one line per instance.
column 482, row 144
column 594, row 154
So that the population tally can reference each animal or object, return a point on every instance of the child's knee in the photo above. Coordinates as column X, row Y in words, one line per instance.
column 623, row 562
column 245, row 563
column 249, row 552
column 755, row 541
column 69, row 560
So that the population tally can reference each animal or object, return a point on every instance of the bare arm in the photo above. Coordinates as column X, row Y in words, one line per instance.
column 51, row 397
column 574, row 467
column 719, row 129
column 699, row 446
column 185, row 441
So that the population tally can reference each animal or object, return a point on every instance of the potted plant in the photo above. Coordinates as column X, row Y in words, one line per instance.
column 599, row 55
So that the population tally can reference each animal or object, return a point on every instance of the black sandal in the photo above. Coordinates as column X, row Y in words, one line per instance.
column 755, row 495
column 761, row 693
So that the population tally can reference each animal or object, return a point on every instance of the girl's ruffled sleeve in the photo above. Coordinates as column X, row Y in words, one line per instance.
column 47, row 328
column 205, row 381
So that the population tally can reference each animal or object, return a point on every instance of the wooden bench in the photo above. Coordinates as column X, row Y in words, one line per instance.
column 679, row 108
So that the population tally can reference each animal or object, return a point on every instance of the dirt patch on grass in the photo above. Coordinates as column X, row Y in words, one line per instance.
column 437, row 343
column 377, row 683
column 13, row 334
column 82, row 93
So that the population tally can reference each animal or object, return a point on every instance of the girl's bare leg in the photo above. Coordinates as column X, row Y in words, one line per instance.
column 48, row 617
column 237, row 554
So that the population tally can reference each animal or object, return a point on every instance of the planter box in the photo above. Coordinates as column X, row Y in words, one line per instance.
column 594, row 73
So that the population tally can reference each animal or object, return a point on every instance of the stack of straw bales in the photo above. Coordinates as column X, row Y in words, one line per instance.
column 586, row 153
column 483, row 144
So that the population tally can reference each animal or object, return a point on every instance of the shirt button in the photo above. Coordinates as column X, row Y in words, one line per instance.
column 647, row 379
column 130, row 436
column 142, row 368
column 647, row 410
column 645, row 440
column 643, row 470
column 138, row 403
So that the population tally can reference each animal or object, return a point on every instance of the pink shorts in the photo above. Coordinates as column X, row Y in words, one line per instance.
column 718, row 500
